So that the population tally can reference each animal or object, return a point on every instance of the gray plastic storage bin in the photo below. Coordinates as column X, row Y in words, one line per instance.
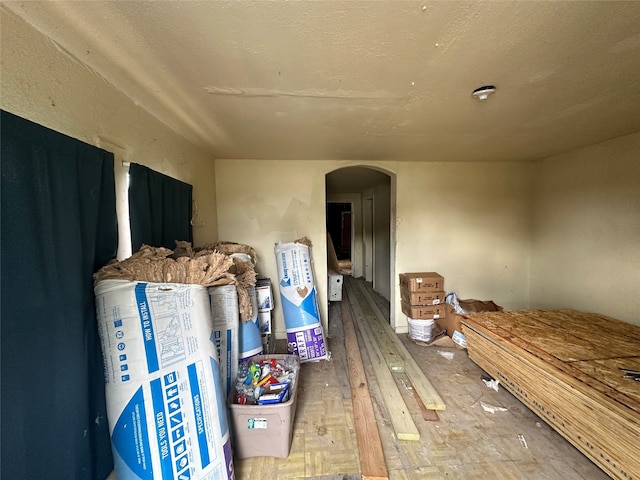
column 265, row 430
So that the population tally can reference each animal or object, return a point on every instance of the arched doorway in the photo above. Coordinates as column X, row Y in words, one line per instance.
column 366, row 197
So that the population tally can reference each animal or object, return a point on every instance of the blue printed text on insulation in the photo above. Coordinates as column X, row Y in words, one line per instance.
column 196, row 399
column 295, row 275
column 285, row 282
column 176, row 432
column 228, row 364
column 161, row 429
column 146, row 324
column 216, row 338
column 290, row 276
column 130, row 438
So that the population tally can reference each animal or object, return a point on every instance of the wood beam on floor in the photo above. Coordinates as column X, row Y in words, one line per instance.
column 372, row 463
column 428, row 394
column 403, row 425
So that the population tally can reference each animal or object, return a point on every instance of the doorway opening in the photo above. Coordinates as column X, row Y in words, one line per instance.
column 360, row 219
column 339, row 233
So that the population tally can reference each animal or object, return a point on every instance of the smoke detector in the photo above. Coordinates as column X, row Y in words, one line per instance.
column 482, row 93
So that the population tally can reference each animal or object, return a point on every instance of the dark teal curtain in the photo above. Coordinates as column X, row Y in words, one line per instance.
column 159, row 209
column 58, row 227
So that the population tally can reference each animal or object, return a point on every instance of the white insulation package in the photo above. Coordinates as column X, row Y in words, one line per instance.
column 305, row 335
column 224, row 335
column 165, row 397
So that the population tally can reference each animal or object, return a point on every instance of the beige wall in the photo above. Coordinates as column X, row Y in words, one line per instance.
column 469, row 222
column 586, row 230
column 43, row 84
column 261, row 203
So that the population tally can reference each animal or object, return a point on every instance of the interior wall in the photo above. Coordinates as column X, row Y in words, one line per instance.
column 263, row 202
column 586, row 230
column 42, row 83
column 470, row 222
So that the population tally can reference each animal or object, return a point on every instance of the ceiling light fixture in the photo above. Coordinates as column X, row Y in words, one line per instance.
column 482, row 93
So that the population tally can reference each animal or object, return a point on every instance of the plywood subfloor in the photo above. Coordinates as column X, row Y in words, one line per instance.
column 466, row 441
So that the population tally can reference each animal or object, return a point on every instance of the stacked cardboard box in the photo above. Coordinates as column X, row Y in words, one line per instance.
column 422, row 296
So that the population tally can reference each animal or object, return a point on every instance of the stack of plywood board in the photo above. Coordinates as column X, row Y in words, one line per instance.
column 566, row 367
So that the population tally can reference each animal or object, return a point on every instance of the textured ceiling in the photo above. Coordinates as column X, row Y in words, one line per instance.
column 365, row 80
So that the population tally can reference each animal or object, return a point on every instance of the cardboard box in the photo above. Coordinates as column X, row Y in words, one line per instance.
column 421, row 298
column 474, row 306
column 422, row 282
column 265, row 430
column 423, row 312
column 451, row 322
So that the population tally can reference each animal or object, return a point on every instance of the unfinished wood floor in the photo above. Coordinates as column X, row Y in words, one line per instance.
column 465, row 442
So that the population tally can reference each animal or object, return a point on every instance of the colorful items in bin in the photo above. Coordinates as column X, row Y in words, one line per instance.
column 263, row 383
column 255, row 373
column 275, row 393
column 266, row 430
column 243, row 374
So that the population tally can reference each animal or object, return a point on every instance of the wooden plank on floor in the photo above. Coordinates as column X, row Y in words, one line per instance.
column 372, row 464
column 421, row 384
column 391, row 356
column 390, row 353
column 428, row 415
column 403, row 425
